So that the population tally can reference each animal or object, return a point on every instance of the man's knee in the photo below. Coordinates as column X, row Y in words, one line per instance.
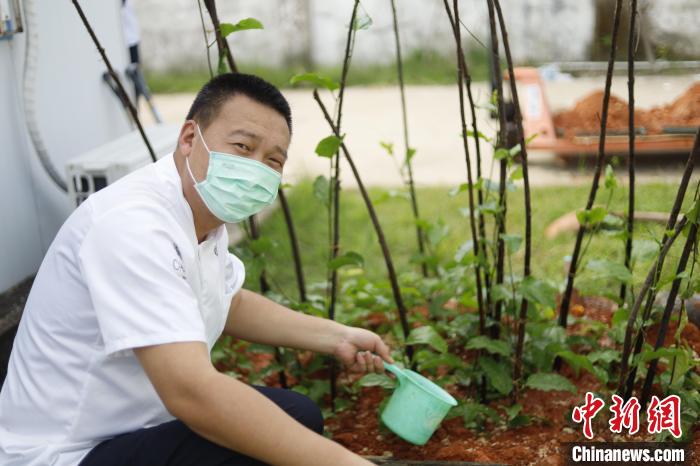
column 299, row 406
column 311, row 415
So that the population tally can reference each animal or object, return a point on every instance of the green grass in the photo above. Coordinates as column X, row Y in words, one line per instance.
column 357, row 234
column 420, row 67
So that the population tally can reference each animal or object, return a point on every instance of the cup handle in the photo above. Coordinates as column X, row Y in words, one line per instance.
column 396, row 370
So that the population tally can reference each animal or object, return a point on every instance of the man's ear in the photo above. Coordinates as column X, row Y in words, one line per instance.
column 186, row 138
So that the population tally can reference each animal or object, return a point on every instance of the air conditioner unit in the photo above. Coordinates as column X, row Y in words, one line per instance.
column 103, row 165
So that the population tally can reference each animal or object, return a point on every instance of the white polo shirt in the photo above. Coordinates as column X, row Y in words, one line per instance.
column 125, row 270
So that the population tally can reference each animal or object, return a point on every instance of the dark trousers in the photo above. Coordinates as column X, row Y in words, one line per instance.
column 174, row 444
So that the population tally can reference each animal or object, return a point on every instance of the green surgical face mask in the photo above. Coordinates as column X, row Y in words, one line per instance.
column 235, row 187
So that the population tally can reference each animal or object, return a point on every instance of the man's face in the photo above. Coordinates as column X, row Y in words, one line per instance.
column 246, row 128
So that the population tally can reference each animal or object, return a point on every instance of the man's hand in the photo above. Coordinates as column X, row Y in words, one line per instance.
column 356, row 347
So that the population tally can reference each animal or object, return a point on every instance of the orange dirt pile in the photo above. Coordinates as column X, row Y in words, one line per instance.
column 586, row 114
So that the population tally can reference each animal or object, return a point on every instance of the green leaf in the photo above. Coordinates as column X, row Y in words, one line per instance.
column 461, row 188
column 464, row 249
column 490, row 207
column 681, row 325
column 513, row 151
column 576, row 361
column 436, row 232
column 492, row 346
column 644, row 249
column 530, row 138
column 500, row 292
column 242, row 25
column 497, row 374
column 362, row 21
column 410, row 153
column 590, row 218
column 316, row 79
column 328, row 146
column 538, row 291
column 517, row 174
column 349, row 258
column 388, row 147
column 606, row 355
column 681, row 368
column 512, row 242
column 475, row 414
column 610, row 180
column 501, row 153
column 671, row 278
column 607, row 269
column 427, row 335
column 620, row 316
column 434, row 360
column 377, row 380
column 668, row 353
column 549, row 382
column 513, row 411
column 322, row 189
column 391, row 194
column 693, row 213
column 480, row 135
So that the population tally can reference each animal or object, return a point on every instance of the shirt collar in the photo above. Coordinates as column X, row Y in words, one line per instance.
column 167, row 170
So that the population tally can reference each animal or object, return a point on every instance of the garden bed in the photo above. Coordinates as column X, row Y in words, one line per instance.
column 540, row 442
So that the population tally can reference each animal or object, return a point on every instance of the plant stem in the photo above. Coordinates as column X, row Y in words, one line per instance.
column 401, row 308
column 294, row 244
column 501, row 142
column 650, row 290
column 206, row 41
column 630, row 160
column 518, row 362
column 566, row 298
column 409, row 166
column 122, row 92
column 663, row 326
column 222, row 44
column 454, row 22
column 335, row 181
column 646, row 286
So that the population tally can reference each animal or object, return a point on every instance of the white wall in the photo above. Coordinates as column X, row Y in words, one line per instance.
column 20, row 241
column 539, row 30
column 76, row 113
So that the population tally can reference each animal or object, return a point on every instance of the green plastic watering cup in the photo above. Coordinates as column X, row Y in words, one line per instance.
column 417, row 406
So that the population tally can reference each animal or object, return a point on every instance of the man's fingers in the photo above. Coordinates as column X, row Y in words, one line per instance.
column 378, row 364
column 361, row 362
column 369, row 363
column 383, row 350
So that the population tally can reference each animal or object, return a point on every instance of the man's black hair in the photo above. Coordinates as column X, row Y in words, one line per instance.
column 213, row 94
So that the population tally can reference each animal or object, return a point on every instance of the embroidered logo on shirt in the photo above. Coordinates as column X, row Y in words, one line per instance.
column 178, row 266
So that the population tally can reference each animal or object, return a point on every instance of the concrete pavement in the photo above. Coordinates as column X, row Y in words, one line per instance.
column 373, row 114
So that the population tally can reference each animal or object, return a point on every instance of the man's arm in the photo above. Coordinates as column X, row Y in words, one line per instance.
column 255, row 318
column 231, row 413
